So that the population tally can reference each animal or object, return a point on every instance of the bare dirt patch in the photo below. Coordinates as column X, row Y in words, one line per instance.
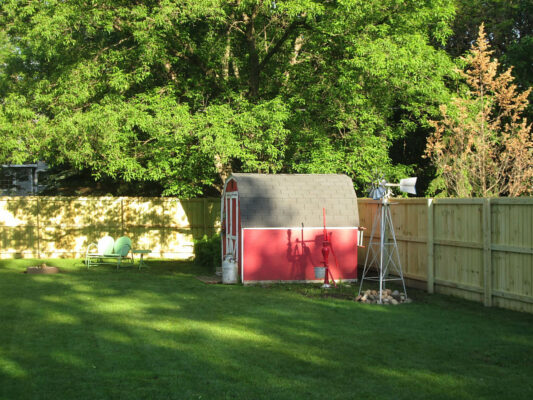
column 42, row 269
column 210, row 280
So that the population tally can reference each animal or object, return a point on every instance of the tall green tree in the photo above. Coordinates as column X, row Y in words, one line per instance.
column 184, row 93
column 509, row 25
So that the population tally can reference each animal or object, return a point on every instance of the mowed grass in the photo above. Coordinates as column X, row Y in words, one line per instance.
column 162, row 334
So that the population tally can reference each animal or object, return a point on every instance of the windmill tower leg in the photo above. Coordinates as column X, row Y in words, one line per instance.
column 384, row 254
column 370, row 250
column 395, row 252
column 382, row 251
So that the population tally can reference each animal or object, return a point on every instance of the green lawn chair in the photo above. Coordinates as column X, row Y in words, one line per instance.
column 121, row 250
column 96, row 251
column 108, row 248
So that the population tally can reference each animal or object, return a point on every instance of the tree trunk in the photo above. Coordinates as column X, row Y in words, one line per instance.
column 298, row 43
column 223, row 170
column 227, row 50
column 253, row 55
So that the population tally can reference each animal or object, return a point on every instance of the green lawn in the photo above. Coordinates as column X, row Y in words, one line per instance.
column 161, row 334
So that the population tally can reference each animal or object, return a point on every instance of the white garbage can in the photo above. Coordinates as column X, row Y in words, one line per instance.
column 229, row 270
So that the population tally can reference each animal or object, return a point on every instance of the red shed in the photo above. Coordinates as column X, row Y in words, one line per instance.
column 273, row 225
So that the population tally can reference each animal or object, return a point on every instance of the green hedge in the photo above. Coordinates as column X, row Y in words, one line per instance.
column 207, row 252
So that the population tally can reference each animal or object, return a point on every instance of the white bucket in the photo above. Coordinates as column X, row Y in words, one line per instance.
column 229, row 270
column 320, row 272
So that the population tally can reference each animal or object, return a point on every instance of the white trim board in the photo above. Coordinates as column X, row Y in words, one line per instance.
column 296, row 281
column 304, row 227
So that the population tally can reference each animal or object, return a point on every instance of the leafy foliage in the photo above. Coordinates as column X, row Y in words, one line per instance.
column 207, row 252
column 509, row 27
column 482, row 147
column 184, row 93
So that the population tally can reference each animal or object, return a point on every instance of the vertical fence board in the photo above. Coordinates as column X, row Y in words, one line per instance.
column 430, row 248
column 487, row 253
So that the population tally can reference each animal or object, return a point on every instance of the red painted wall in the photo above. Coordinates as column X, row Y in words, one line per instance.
column 281, row 254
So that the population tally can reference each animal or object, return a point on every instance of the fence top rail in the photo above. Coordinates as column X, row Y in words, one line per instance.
column 105, row 198
column 512, row 200
column 475, row 201
column 452, row 200
column 412, row 200
column 492, row 200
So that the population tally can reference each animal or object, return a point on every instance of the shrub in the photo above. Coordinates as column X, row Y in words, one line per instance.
column 482, row 145
column 207, row 252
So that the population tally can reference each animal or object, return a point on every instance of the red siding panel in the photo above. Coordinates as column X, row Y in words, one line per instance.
column 231, row 186
column 234, row 212
column 289, row 254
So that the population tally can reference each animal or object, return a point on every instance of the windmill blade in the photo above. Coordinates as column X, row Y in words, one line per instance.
column 377, row 192
column 407, row 185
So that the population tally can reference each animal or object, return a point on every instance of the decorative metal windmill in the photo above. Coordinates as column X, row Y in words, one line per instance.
column 382, row 252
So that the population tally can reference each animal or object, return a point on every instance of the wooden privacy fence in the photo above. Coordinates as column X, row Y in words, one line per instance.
column 49, row 227
column 478, row 249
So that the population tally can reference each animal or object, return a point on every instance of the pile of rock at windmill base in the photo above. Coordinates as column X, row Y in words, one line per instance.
column 388, row 297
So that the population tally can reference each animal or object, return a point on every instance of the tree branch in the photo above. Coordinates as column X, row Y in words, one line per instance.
column 273, row 50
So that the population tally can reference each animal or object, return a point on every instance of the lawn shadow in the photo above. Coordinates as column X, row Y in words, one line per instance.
column 159, row 333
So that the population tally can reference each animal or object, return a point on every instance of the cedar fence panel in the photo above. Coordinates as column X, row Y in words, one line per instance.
column 50, row 227
column 477, row 249
column 409, row 217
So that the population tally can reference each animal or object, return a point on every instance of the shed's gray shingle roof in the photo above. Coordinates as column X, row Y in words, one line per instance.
column 290, row 200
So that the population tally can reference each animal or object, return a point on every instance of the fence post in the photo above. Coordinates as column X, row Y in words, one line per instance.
column 38, row 228
column 204, row 211
column 430, row 249
column 487, row 254
column 122, row 216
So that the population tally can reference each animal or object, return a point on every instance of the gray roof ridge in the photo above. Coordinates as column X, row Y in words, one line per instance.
column 288, row 173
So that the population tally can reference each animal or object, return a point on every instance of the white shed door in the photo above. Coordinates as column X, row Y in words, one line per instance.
column 232, row 224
